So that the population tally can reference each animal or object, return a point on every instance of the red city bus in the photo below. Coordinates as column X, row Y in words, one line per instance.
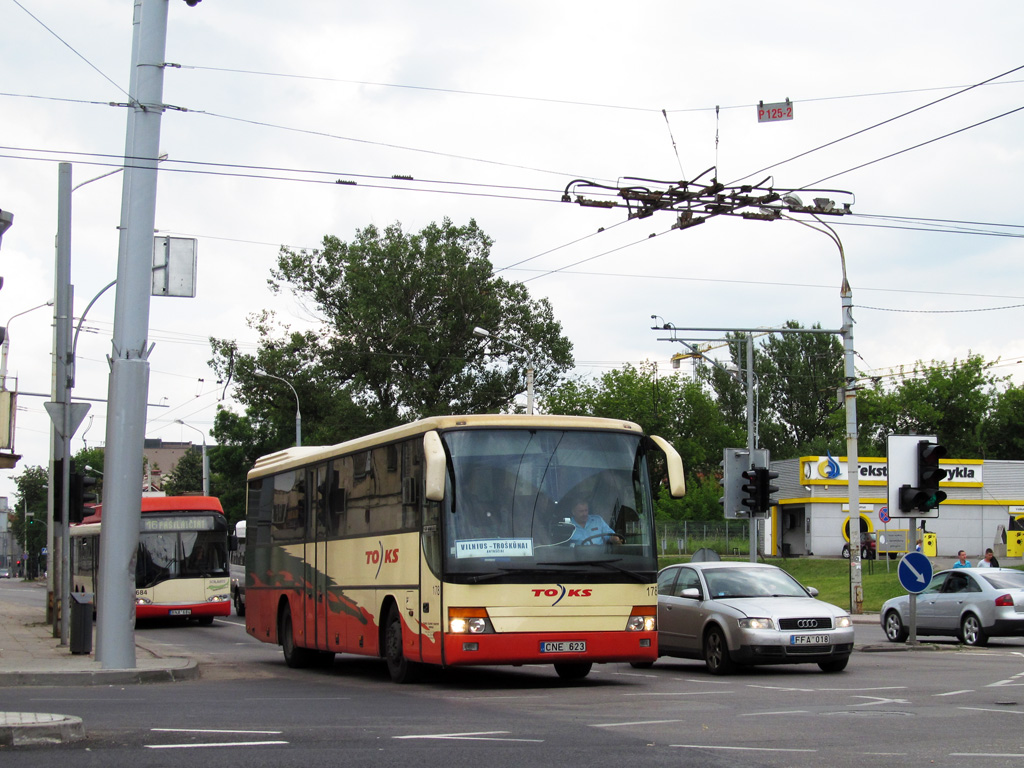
column 460, row 540
column 182, row 563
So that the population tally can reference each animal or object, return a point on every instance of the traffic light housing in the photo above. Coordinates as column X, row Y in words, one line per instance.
column 734, row 461
column 80, row 495
column 752, row 491
column 925, row 495
column 765, row 489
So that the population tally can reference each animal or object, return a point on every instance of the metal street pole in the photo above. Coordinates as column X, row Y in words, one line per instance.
column 206, row 463
column 850, row 399
column 129, row 358
column 298, row 412
column 529, row 363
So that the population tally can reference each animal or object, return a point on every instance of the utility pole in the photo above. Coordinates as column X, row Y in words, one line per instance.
column 129, row 358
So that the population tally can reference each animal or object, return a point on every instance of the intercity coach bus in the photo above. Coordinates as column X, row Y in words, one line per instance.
column 453, row 541
column 182, row 565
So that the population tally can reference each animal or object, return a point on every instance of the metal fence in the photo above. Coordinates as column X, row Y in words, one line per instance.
column 726, row 537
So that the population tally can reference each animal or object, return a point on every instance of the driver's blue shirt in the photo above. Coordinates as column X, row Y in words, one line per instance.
column 594, row 531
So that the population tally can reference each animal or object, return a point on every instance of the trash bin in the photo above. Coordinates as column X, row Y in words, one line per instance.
column 1015, row 543
column 81, row 622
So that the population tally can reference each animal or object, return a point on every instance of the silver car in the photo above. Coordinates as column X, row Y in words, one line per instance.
column 731, row 614
column 972, row 604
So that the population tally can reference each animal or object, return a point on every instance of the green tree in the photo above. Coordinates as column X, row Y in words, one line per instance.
column 394, row 342
column 28, row 523
column 1003, row 427
column 950, row 400
column 187, row 475
column 674, row 407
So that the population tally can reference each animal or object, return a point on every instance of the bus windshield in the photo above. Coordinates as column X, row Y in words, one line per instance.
column 169, row 555
column 565, row 503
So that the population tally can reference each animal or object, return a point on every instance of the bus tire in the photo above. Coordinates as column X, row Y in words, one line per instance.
column 239, row 605
column 294, row 656
column 399, row 667
column 573, row 670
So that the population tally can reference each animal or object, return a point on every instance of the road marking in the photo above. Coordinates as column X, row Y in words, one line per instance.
column 473, row 736
column 635, row 722
column 774, row 712
column 743, row 749
column 878, row 700
column 211, row 730
column 219, row 744
column 681, row 693
column 985, row 709
column 954, row 693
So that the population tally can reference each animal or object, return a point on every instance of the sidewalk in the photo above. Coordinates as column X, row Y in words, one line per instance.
column 31, row 655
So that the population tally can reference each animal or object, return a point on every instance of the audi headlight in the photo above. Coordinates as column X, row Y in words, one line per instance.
column 756, row 623
column 843, row 622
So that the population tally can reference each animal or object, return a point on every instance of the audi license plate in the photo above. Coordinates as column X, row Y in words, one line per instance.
column 568, row 646
column 809, row 640
column 180, row 612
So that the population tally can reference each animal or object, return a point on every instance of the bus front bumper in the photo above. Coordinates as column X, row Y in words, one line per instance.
column 550, row 647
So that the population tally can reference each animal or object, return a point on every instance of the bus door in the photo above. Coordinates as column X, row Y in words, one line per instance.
column 316, row 599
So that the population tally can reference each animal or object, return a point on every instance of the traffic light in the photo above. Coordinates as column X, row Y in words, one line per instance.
column 734, row 461
column 752, row 491
column 765, row 489
column 925, row 494
column 80, row 496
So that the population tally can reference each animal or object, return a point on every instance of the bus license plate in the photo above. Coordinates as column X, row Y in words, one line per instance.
column 809, row 640
column 180, row 612
column 568, row 646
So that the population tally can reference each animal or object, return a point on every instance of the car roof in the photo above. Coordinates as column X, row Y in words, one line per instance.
column 706, row 564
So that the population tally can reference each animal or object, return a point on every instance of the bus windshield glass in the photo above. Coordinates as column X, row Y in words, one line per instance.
column 562, row 503
column 175, row 554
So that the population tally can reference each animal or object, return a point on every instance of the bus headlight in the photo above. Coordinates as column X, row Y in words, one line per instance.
column 472, row 621
column 143, row 601
column 643, row 618
column 218, row 598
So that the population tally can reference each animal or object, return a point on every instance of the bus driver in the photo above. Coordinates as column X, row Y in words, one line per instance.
column 590, row 529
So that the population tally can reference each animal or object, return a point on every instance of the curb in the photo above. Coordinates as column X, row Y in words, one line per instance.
column 186, row 669
column 19, row 729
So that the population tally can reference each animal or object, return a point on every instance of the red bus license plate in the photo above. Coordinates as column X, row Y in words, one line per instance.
column 568, row 646
column 180, row 612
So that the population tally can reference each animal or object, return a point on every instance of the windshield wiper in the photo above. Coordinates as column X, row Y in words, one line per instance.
column 476, row 578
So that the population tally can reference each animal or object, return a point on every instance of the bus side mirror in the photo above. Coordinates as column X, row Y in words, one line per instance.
column 436, row 465
column 232, row 542
column 674, row 464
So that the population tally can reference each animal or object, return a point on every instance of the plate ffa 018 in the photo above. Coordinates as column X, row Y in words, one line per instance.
column 810, row 640
column 565, row 646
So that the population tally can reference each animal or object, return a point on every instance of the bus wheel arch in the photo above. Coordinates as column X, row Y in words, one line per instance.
column 392, row 644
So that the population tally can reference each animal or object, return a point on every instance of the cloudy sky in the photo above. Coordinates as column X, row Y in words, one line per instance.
column 493, row 108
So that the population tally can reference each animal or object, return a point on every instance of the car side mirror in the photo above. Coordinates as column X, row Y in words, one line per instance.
column 691, row 592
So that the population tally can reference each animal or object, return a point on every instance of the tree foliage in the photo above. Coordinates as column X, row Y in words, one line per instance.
column 28, row 518
column 187, row 475
column 392, row 340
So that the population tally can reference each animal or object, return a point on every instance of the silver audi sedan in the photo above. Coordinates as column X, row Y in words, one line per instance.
column 732, row 614
column 971, row 604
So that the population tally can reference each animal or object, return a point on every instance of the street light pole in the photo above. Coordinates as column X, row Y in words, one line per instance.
column 850, row 398
column 206, row 463
column 529, row 363
column 5, row 347
column 298, row 412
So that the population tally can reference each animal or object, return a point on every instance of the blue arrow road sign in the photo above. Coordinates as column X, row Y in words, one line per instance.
column 915, row 572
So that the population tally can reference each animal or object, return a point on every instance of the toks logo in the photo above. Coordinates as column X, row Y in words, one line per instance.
column 562, row 592
column 380, row 556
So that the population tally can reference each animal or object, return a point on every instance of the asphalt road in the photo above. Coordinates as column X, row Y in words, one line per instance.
column 926, row 707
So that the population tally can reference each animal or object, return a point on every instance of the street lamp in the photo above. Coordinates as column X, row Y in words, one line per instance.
column 529, row 363
column 298, row 413
column 7, row 342
column 206, row 463
column 6, row 220
column 850, row 398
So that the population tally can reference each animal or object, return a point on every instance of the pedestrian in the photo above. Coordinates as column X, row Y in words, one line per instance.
column 962, row 562
column 989, row 560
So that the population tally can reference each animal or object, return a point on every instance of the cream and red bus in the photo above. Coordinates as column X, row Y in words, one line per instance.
column 181, row 569
column 451, row 541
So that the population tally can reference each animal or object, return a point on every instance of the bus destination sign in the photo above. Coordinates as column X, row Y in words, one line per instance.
column 190, row 523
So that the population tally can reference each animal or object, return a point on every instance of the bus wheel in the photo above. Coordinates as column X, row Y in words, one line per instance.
column 294, row 656
column 239, row 605
column 573, row 671
column 400, row 668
